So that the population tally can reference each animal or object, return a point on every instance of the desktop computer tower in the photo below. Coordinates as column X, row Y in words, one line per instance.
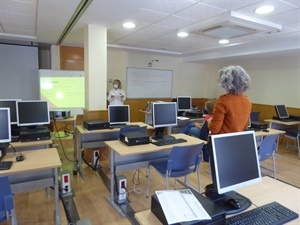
column 32, row 134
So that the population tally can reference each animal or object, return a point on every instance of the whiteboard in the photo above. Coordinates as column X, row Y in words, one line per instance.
column 149, row 83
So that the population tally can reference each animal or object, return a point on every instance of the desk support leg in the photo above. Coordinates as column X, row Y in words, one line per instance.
column 56, row 197
column 111, row 198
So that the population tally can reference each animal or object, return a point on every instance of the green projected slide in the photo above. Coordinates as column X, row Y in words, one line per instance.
column 63, row 92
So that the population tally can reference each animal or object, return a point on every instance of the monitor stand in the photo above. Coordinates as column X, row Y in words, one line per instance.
column 159, row 133
column 180, row 113
column 219, row 199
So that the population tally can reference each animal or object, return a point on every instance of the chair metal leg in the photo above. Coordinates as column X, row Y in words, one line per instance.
column 199, row 184
column 175, row 179
column 274, row 166
column 148, row 182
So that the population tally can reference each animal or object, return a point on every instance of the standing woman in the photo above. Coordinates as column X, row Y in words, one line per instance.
column 116, row 96
column 232, row 110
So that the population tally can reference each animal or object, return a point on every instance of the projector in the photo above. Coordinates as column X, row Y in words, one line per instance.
column 59, row 114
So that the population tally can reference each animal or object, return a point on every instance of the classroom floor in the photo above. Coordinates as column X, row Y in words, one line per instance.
column 34, row 208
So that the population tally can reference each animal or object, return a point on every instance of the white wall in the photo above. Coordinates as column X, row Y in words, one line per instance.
column 274, row 79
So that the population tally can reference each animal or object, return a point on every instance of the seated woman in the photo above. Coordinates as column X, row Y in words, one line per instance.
column 193, row 128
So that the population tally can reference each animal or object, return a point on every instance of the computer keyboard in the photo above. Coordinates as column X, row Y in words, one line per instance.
column 5, row 165
column 169, row 142
column 272, row 213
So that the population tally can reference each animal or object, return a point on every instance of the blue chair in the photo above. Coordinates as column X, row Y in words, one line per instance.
column 267, row 149
column 254, row 116
column 182, row 161
column 294, row 135
column 7, row 209
column 133, row 129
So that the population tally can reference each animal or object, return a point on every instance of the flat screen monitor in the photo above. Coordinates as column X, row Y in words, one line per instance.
column 164, row 114
column 184, row 103
column 5, row 133
column 281, row 111
column 12, row 105
column 234, row 164
column 118, row 114
column 33, row 113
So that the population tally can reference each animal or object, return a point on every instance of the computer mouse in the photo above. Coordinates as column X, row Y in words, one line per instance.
column 111, row 127
column 265, row 130
column 232, row 203
column 20, row 158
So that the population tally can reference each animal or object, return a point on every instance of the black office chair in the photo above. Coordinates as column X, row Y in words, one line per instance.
column 204, row 132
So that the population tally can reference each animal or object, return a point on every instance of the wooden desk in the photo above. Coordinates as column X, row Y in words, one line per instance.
column 94, row 139
column 262, row 193
column 38, row 170
column 127, row 158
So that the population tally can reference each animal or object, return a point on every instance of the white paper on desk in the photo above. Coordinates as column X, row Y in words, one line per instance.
column 181, row 206
column 182, row 118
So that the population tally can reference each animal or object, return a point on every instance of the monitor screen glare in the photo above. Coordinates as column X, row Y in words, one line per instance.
column 33, row 113
column 5, row 132
column 184, row 103
column 12, row 105
column 118, row 114
column 281, row 111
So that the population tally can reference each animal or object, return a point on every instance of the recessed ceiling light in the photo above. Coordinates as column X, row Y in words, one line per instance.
column 182, row 34
column 264, row 9
column 224, row 41
column 129, row 25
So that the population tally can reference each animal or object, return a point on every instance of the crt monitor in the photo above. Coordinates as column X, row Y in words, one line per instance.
column 118, row 114
column 234, row 164
column 184, row 103
column 33, row 113
column 281, row 111
column 164, row 114
column 12, row 105
column 5, row 133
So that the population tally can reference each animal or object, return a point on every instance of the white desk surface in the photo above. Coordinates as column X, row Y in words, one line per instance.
column 123, row 149
column 267, row 191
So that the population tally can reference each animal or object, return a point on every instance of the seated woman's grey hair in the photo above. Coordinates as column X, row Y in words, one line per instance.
column 234, row 79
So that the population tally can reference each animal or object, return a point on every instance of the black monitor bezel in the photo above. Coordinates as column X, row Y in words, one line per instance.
column 109, row 115
column 34, row 123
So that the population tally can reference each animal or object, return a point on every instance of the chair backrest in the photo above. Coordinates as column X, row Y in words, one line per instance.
column 133, row 129
column 184, row 159
column 254, row 116
column 204, row 131
column 267, row 147
column 6, row 197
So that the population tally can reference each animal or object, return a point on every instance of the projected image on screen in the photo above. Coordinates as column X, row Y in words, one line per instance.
column 63, row 92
